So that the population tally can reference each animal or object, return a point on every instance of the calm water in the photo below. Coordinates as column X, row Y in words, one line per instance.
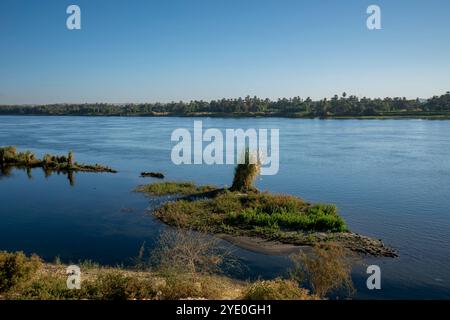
column 390, row 179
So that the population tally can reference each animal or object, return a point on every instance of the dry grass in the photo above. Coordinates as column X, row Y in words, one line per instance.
column 246, row 173
column 277, row 289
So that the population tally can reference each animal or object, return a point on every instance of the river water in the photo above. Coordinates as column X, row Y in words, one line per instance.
column 389, row 178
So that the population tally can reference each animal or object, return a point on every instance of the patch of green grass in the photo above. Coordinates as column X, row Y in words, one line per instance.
column 173, row 188
column 229, row 212
column 311, row 219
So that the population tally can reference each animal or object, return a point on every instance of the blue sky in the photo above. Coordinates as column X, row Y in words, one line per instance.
column 141, row 50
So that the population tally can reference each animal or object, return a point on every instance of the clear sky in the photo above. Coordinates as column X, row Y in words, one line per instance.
column 167, row 50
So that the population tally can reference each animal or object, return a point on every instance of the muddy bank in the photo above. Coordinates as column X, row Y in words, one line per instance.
column 356, row 243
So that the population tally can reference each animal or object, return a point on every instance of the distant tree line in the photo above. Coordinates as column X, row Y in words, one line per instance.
column 338, row 106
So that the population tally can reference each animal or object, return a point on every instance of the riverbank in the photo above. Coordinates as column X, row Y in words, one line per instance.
column 260, row 222
column 296, row 107
column 386, row 116
column 29, row 278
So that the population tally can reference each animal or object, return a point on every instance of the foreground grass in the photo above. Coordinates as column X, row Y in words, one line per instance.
column 28, row 278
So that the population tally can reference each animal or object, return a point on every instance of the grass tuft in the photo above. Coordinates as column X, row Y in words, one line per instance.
column 173, row 188
column 278, row 289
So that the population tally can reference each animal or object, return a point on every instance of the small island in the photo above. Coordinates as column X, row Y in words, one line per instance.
column 243, row 211
column 10, row 157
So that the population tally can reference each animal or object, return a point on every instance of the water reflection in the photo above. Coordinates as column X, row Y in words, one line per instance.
column 7, row 171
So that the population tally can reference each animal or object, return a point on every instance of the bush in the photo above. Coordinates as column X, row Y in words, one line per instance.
column 7, row 154
column 188, row 252
column 45, row 288
column 16, row 268
column 277, row 289
column 109, row 286
column 245, row 173
column 327, row 268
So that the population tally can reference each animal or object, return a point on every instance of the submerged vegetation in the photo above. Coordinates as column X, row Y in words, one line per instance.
column 10, row 157
column 344, row 106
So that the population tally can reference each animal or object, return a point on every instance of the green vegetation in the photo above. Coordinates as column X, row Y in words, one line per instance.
column 172, row 188
column 256, row 213
column 344, row 106
column 10, row 157
column 282, row 218
column 241, row 208
column 243, row 211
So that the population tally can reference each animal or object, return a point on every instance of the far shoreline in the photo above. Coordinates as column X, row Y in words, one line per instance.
column 443, row 117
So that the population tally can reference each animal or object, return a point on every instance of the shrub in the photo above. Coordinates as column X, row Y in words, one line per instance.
column 16, row 268
column 7, row 154
column 326, row 268
column 200, row 286
column 188, row 252
column 45, row 287
column 108, row 286
column 245, row 173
